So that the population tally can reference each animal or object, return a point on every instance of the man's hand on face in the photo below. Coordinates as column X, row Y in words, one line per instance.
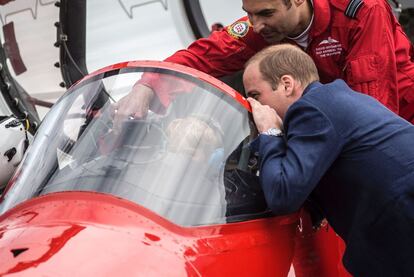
column 135, row 105
column 264, row 116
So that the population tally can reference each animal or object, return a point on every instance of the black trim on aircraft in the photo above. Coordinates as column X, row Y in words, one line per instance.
column 196, row 17
column 71, row 36
column 19, row 102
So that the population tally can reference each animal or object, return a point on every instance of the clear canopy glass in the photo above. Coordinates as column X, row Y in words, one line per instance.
column 189, row 163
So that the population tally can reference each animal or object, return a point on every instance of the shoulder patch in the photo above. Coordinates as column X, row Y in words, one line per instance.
column 353, row 8
column 238, row 29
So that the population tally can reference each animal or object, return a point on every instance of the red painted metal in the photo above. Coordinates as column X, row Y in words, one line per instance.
column 92, row 234
column 318, row 253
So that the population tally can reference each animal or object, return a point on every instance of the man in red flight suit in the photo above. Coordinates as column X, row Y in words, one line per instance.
column 359, row 41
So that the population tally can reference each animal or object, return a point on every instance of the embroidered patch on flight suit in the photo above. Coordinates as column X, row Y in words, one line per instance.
column 328, row 47
column 238, row 29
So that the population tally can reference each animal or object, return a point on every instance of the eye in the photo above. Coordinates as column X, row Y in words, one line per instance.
column 253, row 95
column 267, row 14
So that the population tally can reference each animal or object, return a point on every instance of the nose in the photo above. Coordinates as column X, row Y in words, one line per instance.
column 257, row 23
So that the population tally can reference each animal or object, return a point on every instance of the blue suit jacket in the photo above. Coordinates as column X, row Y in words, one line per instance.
column 356, row 160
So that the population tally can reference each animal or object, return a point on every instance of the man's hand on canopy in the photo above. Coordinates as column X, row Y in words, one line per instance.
column 135, row 105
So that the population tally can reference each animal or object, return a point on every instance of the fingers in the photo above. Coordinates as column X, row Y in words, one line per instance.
column 253, row 103
column 120, row 112
column 131, row 106
column 264, row 116
column 113, row 110
column 258, row 108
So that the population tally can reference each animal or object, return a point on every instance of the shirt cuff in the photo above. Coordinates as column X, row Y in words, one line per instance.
column 262, row 139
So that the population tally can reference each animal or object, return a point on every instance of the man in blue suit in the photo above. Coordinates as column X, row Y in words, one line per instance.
column 343, row 149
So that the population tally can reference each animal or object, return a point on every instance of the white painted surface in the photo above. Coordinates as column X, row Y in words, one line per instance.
column 35, row 34
column 225, row 12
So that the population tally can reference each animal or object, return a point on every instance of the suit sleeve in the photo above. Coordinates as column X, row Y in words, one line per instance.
column 290, row 169
column 371, row 60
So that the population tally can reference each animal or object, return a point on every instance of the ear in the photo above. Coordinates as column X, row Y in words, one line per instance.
column 289, row 84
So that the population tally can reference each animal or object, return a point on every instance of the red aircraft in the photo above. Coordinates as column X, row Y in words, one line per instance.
column 173, row 194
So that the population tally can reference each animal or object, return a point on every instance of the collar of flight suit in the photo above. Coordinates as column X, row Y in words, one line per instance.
column 322, row 17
